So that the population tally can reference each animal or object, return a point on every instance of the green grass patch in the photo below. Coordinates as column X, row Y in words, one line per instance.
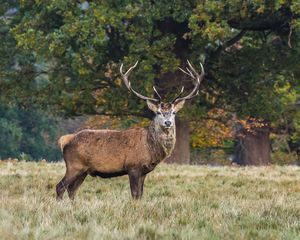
column 179, row 202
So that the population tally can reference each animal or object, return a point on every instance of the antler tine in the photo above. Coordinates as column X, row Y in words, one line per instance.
column 128, row 83
column 155, row 90
column 125, row 75
column 181, row 91
column 131, row 68
column 188, row 72
column 191, row 72
column 184, row 71
column 199, row 77
column 192, row 96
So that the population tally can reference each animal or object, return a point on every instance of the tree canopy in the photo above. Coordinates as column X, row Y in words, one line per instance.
column 73, row 49
column 250, row 51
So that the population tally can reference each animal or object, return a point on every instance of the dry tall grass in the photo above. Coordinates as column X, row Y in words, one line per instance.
column 180, row 202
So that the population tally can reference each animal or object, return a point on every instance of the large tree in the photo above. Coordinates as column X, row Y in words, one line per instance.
column 250, row 50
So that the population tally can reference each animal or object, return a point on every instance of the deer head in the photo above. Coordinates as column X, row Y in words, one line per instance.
column 165, row 111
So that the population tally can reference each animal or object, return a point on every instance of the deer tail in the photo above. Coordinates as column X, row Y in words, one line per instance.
column 64, row 140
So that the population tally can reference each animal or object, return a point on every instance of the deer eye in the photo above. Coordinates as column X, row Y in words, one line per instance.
column 173, row 113
column 158, row 113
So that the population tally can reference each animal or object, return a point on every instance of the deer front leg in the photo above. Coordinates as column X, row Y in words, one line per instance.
column 142, row 180
column 136, row 180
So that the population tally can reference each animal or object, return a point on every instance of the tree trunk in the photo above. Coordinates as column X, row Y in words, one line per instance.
column 253, row 147
column 181, row 152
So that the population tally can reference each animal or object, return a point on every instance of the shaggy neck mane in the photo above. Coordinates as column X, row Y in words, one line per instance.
column 161, row 141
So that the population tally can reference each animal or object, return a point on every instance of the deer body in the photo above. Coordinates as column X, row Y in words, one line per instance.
column 110, row 153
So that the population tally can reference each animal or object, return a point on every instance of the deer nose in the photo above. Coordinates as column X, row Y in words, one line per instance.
column 168, row 123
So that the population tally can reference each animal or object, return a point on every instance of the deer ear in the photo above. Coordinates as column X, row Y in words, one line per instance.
column 152, row 106
column 179, row 105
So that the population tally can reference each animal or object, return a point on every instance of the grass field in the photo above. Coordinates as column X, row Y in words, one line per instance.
column 180, row 202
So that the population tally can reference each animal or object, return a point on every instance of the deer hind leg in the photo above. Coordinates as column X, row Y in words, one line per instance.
column 61, row 187
column 136, row 180
column 75, row 184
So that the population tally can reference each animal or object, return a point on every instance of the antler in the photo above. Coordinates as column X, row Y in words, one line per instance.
column 190, row 71
column 128, row 84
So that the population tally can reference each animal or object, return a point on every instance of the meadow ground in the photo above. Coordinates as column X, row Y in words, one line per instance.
column 180, row 202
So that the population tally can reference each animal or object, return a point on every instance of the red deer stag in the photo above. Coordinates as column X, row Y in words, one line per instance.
column 136, row 151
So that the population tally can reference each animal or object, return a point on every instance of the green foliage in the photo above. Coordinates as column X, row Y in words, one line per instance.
column 284, row 158
column 11, row 135
column 64, row 55
column 30, row 132
column 82, row 40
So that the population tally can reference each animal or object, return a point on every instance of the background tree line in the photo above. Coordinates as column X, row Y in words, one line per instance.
column 63, row 57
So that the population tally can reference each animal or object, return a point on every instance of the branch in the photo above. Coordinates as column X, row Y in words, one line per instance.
column 96, row 87
column 234, row 39
column 230, row 42
column 267, row 21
